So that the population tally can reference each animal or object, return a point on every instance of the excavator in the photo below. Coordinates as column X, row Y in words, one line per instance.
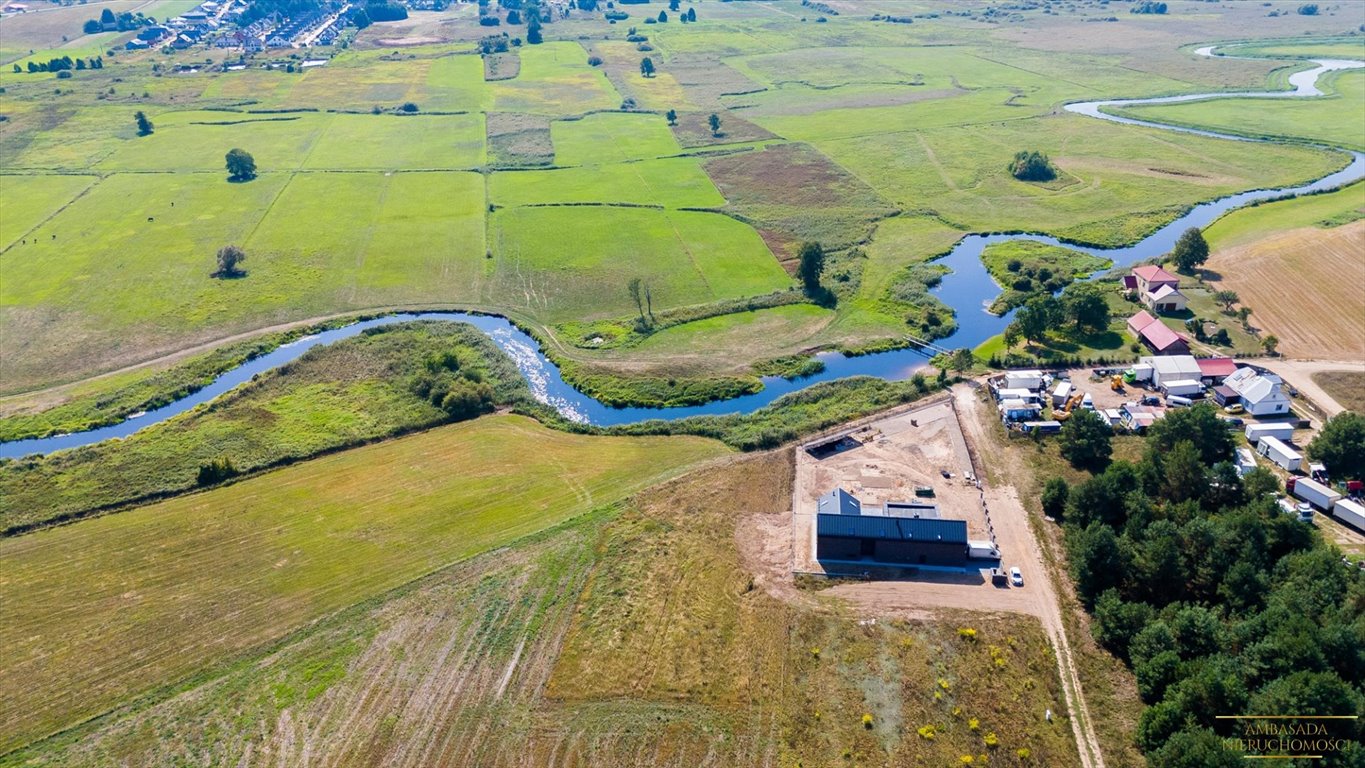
column 1116, row 383
column 1071, row 404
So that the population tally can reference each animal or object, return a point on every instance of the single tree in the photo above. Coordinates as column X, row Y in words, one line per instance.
column 144, row 126
column 961, row 360
column 647, row 67
column 1055, row 493
column 1190, row 250
column 1012, row 336
column 691, row 14
column 1227, row 299
column 1244, row 314
column 1085, row 439
column 635, row 287
column 533, row 33
column 240, row 165
column 230, row 258
column 1085, row 306
column 1269, row 343
column 673, row 5
column 93, row 27
column 1340, row 446
column 107, row 18
column 812, row 256
column 714, row 122
column 1037, row 316
column 649, row 302
column 672, row 116
column 663, row 17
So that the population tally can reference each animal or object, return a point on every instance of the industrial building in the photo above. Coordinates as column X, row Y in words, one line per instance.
column 900, row 533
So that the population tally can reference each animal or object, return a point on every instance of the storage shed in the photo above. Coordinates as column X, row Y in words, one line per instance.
column 1255, row 432
column 1030, row 380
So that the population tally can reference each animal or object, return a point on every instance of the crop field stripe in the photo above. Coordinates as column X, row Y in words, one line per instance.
column 94, row 180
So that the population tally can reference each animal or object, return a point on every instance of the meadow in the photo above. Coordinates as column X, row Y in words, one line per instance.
column 1333, row 119
column 195, row 582
column 849, row 132
column 567, row 653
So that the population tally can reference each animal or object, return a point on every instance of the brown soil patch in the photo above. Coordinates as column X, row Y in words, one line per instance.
column 1304, row 286
column 517, row 140
column 693, row 130
column 501, row 66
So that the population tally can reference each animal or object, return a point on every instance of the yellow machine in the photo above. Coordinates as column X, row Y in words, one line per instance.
column 1071, row 404
column 1116, row 383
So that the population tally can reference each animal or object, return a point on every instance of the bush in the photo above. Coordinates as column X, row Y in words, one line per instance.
column 216, row 471
column 1032, row 166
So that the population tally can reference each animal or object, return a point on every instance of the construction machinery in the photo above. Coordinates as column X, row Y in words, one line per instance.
column 1071, row 404
column 1116, row 383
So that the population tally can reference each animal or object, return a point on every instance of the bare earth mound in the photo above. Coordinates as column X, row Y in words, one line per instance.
column 1304, row 286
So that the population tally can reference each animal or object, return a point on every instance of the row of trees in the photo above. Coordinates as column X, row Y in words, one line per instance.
column 1220, row 603
column 122, row 22
column 63, row 64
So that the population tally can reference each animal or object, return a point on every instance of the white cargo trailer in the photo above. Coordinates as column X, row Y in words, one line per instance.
column 1061, row 394
column 982, row 550
column 1351, row 512
column 1031, row 380
column 1182, row 387
column 1283, row 431
column 1316, row 493
column 1274, row 449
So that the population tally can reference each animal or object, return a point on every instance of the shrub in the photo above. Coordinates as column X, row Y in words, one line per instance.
column 216, row 471
column 1032, row 166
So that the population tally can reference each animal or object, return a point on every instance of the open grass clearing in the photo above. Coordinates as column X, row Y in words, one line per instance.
column 672, row 182
column 194, row 582
column 687, row 258
column 1336, row 118
column 554, row 79
column 1341, row 206
column 392, row 142
column 1328, row 47
column 612, row 137
column 702, row 344
column 115, row 288
column 1130, row 180
column 32, row 200
column 519, row 140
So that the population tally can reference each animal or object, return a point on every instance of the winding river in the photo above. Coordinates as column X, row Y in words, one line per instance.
column 968, row 290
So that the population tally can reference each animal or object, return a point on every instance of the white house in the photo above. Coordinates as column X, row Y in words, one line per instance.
column 1262, row 394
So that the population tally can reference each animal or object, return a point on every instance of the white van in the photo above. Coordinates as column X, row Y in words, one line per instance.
column 1176, row 401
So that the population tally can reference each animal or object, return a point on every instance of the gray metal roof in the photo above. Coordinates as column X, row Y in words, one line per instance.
column 892, row 528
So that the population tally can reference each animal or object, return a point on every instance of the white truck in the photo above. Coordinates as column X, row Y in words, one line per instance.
column 1315, row 493
column 1350, row 512
column 982, row 550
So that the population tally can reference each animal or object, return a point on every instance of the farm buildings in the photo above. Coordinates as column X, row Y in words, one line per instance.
column 1156, row 288
column 1156, row 336
column 1262, row 394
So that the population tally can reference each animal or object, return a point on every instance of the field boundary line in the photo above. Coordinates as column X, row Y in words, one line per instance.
column 24, row 235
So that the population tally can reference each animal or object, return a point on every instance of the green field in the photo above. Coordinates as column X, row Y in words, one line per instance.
column 31, row 200
column 1326, row 210
column 687, row 257
column 1331, row 119
column 410, row 237
column 611, row 138
column 196, row 581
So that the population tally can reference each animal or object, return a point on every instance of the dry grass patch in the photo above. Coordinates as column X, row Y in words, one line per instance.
column 519, row 140
column 1345, row 387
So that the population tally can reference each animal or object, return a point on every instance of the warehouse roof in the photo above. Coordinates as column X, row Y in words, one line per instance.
column 893, row 528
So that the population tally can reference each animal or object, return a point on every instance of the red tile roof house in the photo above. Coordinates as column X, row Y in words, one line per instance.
column 1158, row 289
column 1157, row 337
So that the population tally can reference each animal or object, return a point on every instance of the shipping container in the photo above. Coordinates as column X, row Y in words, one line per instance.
column 1315, row 493
column 1285, row 457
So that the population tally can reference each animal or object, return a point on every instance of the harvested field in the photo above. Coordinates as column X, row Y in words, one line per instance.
column 693, row 130
column 794, row 193
column 109, row 609
column 1304, row 287
column 519, row 140
column 501, row 66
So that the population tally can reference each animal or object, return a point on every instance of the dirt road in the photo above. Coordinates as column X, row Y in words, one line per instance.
column 1300, row 374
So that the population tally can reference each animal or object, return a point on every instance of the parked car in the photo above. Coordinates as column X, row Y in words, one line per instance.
column 1232, row 422
column 1235, row 408
column 1016, row 576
